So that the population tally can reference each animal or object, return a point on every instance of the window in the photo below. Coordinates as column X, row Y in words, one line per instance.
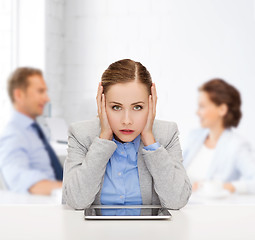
column 22, row 43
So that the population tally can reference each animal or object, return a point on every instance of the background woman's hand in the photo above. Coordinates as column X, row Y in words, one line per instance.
column 230, row 187
column 213, row 186
column 106, row 131
column 147, row 135
column 195, row 186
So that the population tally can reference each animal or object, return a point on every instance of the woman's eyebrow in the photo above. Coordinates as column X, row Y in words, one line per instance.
column 116, row 103
column 137, row 103
column 131, row 104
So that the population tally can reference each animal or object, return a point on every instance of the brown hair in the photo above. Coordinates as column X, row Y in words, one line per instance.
column 124, row 71
column 19, row 79
column 221, row 92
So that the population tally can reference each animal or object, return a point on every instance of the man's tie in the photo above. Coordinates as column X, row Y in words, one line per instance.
column 53, row 158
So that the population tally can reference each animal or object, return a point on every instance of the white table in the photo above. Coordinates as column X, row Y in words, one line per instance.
column 192, row 222
column 232, row 199
column 8, row 197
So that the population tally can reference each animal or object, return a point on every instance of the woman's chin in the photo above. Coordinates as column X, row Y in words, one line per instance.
column 125, row 138
column 203, row 124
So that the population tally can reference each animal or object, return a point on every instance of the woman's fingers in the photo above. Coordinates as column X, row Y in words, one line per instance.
column 154, row 98
column 155, row 93
column 99, row 98
column 106, row 131
column 103, row 105
column 150, row 107
column 150, row 114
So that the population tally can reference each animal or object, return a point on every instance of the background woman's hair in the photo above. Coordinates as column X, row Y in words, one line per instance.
column 221, row 92
column 124, row 71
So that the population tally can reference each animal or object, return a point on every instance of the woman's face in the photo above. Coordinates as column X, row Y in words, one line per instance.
column 209, row 113
column 127, row 109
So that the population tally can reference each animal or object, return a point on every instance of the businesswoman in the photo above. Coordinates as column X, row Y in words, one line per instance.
column 125, row 157
column 217, row 152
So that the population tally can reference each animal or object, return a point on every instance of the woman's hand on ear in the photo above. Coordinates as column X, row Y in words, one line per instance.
column 106, row 131
column 147, row 135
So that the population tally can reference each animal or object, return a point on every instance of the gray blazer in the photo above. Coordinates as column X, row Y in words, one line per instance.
column 163, row 179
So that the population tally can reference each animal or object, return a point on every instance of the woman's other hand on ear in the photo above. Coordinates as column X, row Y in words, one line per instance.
column 106, row 131
column 147, row 135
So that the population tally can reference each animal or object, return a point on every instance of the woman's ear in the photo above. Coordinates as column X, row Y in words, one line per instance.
column 223, row 109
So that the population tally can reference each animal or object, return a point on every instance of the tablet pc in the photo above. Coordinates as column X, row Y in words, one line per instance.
column 124, row 212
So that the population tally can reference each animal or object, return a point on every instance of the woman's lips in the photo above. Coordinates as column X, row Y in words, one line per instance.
column 127, row 131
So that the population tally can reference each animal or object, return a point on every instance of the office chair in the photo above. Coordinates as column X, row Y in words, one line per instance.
column 2, row 182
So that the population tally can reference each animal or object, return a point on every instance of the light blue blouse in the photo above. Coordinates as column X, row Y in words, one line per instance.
column 121, row 180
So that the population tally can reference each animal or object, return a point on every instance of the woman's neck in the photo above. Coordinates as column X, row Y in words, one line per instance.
column 213, row 137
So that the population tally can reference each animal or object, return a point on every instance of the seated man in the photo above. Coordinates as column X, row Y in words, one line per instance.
column 27, row 162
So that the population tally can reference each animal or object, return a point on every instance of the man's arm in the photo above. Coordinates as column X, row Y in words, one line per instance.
column 17, row 172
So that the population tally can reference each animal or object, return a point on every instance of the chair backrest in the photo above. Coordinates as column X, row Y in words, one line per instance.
column 2, row 182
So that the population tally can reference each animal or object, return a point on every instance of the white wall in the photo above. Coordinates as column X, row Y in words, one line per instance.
column 31, row 33
column 22, row 43
column 5, row 57
column 182, row 43
column 54, row 55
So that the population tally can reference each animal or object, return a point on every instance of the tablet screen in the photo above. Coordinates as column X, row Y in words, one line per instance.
column 129, row 212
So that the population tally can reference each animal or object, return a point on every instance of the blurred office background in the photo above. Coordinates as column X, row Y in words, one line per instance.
column 182, row 43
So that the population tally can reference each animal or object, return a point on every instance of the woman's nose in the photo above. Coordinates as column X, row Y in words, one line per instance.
column 127, row 119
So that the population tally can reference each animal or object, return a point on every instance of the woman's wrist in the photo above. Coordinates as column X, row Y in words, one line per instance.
column 148, row 139
column 105, row 135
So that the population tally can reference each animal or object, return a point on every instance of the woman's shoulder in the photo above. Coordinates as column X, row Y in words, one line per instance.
column 161, row 124
column 164, row 130
column 84, row 129
column 234, row 138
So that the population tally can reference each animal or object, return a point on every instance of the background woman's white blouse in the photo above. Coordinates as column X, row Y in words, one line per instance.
column 197, row 170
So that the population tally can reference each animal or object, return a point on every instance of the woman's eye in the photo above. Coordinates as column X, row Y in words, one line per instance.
column 116, row 108
column 138, row 107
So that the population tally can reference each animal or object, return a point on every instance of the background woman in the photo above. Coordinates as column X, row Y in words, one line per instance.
column 217, row 152
column 125, row 157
